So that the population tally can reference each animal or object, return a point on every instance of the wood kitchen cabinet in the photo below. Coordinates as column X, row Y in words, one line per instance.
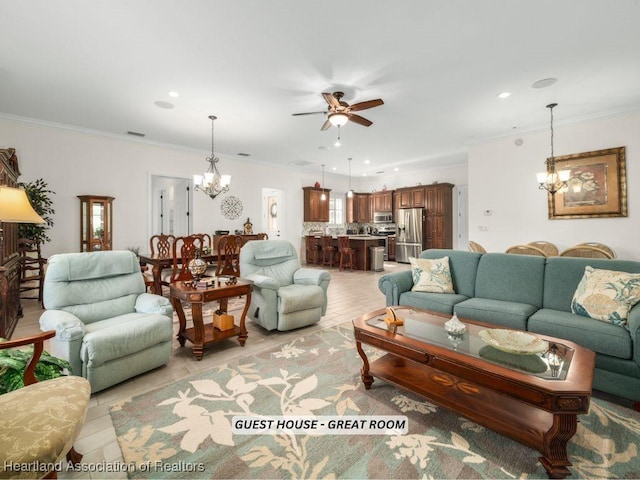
column 358, row 208
column 381, row 202
column 391, row 247
column 316, row 209
column 438, row 204
column 412, row 197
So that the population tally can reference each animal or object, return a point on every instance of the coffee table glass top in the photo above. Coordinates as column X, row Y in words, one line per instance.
column 551, row 364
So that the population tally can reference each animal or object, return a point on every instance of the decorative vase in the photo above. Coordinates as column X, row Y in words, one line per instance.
column 197, row 266
column 455, row 326
column 317, row 185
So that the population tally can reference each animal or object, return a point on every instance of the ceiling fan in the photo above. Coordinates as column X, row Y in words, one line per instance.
column 340, row 112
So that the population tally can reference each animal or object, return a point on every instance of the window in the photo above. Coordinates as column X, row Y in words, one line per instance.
column 336, row 210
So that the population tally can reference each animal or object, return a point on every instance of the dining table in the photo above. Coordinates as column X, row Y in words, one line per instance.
column 159, row 263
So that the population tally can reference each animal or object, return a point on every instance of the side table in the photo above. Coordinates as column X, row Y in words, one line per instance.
column 200, row 334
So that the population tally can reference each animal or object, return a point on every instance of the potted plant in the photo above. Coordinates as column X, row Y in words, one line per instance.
column 13, row 362
column 39, row 196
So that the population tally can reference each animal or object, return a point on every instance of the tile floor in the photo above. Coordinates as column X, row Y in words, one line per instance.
column 350, row 294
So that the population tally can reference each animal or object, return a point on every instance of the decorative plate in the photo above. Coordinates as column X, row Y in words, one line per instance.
column 231, row 207
column 514, row 341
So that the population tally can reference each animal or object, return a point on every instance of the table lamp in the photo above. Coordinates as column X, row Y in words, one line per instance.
column 16, row 208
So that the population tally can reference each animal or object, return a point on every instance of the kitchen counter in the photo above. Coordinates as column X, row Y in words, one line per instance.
column 360, row 243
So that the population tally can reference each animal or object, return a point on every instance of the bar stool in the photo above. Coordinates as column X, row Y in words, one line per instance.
column 347, row 254
column 328, row 251
column 313, row 249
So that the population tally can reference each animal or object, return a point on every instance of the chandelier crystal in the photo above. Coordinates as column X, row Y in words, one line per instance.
column 212, row 182
column 553, row 181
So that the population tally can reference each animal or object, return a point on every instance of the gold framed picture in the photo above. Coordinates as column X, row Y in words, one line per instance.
column 597, row 185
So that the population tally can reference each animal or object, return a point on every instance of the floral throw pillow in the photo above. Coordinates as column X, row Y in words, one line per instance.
column 431, row 275
column 606, row 295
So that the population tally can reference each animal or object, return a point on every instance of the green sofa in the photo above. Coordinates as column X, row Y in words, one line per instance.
column 532, row 293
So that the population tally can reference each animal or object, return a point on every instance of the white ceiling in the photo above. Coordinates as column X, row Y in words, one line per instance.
column 437, row 64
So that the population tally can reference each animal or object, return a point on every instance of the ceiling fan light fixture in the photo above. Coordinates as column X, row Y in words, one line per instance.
column 338, row 119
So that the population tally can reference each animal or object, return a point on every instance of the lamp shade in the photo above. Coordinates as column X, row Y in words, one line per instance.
column 16, row 208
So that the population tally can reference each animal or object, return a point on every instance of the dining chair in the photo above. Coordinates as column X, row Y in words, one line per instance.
column 184, row 249
column 525, row 250
column 347, row 254
column 328, row 251
column 586, row 251
column 601, row 246
column 549, row 249
column 476, row 247
column 32, row 268
column 229, row 255
column 160, row 246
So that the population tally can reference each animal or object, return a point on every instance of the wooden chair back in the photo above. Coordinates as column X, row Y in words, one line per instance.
column 476, row 247
column 229, row 255
column 184, row 249
column 601, row 246
column 206, row 240
column 549, row 249
column 525, row 250
column 31, row 268
column 161, row 246
column 586, row 251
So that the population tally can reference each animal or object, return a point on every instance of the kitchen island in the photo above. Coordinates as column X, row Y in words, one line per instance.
column 360, row 243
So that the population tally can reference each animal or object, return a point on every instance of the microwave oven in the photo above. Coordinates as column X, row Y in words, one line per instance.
column 382, row 217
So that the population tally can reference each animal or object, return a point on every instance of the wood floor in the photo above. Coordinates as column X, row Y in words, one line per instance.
column 350, row 294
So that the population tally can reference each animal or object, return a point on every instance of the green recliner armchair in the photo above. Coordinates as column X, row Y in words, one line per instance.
column 285, row 296
column 106, row 326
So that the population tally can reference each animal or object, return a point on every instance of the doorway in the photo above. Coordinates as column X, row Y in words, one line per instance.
column 171, row 205
column 272, row 213
column 463, row 217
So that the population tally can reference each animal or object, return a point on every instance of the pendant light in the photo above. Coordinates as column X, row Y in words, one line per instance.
column 350, row 192
column 553, row 181
column 212, row 182
column 323, row 197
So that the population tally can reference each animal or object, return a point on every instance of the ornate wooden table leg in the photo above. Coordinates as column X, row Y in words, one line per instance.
column 364, row 373
column 555, row 459
column 198, row 330
column 177, row 306
column 243, row 328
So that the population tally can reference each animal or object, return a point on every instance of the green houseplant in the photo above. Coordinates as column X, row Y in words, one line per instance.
column 40, row 198
column 13, row 362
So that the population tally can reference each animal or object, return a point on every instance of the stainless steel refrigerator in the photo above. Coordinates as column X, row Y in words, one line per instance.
column 410, row 229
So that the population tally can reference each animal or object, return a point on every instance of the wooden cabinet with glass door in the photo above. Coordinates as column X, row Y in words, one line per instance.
column 96, row 222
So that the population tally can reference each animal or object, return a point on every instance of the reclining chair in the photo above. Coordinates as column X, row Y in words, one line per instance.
column 106, row 326
column 285, row 296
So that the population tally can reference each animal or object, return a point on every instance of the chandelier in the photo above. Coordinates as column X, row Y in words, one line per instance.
column 211, row 182
column 553, row 181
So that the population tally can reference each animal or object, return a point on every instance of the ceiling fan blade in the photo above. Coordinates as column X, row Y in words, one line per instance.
column 308, row 113
column 331, row 100
column 359, row 120
column 326, row 125
column 368, row 104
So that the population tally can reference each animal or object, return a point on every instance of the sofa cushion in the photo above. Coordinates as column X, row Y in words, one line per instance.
column 123, row 335
column 511, row 278
column 431, row 275
column 295, row 298
column 497, row 312
column 437, row 302
column 606, row 295
column 563, row 274
column 595, row 335
column 463, row 266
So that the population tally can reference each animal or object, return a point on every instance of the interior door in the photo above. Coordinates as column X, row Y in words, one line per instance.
column 272, row 213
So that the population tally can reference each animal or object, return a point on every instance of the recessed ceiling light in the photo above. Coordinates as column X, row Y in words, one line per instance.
column 174, row 94
column 334, row 168
column 162, row 104
column 504, row 94
column 366, row 162
column 396, row 169
column 545, row 82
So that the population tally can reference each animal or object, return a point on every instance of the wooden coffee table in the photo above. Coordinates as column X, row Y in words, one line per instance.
column 203, row 334
column 510, row 396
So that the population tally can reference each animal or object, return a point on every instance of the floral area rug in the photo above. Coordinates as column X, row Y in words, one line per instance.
column 184, row 430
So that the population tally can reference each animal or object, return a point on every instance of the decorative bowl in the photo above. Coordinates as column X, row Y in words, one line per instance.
column 514, row 341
